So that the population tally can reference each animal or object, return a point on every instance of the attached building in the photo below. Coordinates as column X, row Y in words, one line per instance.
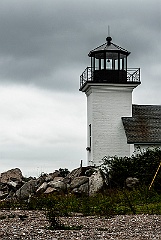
column 143, row 129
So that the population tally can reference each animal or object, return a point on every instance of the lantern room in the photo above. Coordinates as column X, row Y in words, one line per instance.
column 109, row 65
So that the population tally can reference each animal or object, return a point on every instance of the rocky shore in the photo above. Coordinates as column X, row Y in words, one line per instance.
column 80, row 181
column 34, row 226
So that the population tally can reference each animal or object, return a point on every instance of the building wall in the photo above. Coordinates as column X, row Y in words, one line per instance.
column 105, row 107
column 89, row 121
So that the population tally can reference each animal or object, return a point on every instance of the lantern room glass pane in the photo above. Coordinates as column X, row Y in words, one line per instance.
column 125, row 63
column 93, row 63
column 102, row 63
column 121, row 64
column 96, row 64
column 108, row 63
column 116, row 64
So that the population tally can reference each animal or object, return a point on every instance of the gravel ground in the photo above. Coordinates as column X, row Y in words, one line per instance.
column 138, row 227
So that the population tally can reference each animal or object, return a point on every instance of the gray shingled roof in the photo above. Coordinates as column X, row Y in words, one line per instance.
column 111, row 47
column 145, row 124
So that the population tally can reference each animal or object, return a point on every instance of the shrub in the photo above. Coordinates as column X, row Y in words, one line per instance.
column 142, row 166
column 64, row 172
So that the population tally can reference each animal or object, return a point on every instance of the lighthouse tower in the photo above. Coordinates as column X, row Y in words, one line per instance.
column 108, row 85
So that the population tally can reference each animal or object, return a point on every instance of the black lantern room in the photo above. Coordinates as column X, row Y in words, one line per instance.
column 109, row 65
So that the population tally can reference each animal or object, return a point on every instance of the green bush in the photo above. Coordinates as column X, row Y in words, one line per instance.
column 142, row 166
column 112, row 202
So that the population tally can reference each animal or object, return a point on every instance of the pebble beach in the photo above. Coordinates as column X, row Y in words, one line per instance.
column 35, row 227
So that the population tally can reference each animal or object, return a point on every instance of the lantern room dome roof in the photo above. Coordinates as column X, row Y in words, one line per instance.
column 108, row 47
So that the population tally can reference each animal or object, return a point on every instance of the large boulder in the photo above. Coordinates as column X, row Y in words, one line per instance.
column 73, row 174
column 4, row 190
column 78, row 181
column 96, row 182
column 42, row 188
column 58, row 185
column 81, row 171
column 3, row 187
column 56, row 179
column 14, row 186
column 41, row 180
column 11, row 175
column 131, row 182
column 3, row 195
column 27, row 189
column 49, row 190
column 82, row 190
column 53, row 175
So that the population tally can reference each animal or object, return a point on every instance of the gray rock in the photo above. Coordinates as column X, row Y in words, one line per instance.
column 48, row 178
column 73, row 174
column 3, row 195
column 55, row 174
column 56, row 179
column 27, row 189
column 40, row 180
column 50, row 190
column 59, row 185
column 82, row 190
column 42, row 188
column 96, row 183
column 13, row 174
column 131, row 182
column 89, row 171
column 12, row 185
column 78, row 181
column 3, row 187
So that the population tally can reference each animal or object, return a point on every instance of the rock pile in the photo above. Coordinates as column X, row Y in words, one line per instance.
column 80, row 181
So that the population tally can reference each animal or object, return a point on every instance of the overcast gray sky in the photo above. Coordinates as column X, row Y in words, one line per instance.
column 44, row 46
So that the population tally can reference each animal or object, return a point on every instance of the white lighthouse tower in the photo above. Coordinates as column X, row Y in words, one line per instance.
column 108, row 85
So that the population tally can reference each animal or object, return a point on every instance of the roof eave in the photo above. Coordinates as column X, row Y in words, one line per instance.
column 93, row 52
column 144, row 143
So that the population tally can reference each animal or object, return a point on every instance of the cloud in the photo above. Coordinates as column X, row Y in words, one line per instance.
column 37, row 124
column 39, row 39
column 36, row 115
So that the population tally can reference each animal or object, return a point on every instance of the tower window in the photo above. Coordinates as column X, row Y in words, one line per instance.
column 90, row 136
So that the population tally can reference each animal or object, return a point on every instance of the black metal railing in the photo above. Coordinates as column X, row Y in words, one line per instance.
column 87, row 75
column 133, row 76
